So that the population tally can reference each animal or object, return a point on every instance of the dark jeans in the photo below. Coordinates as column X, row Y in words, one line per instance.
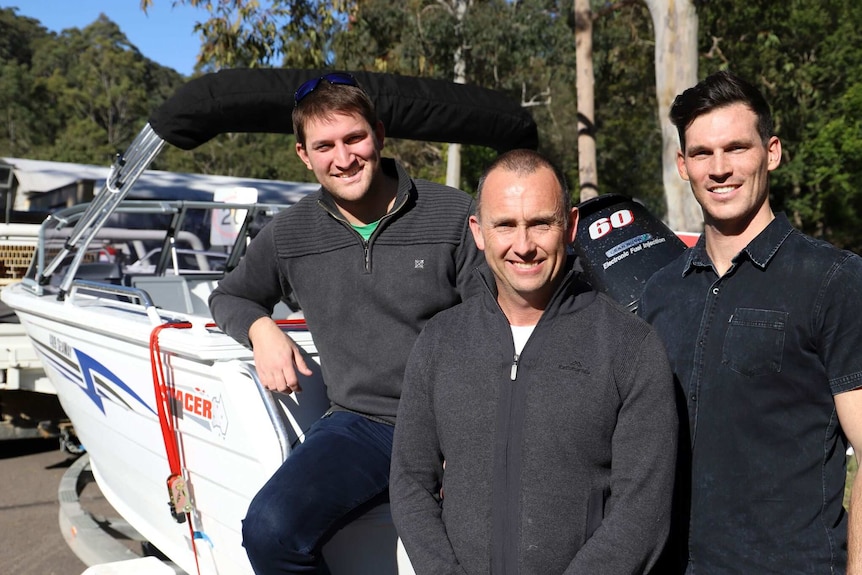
column 339, row 472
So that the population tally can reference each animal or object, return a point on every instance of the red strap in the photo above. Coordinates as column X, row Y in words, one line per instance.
column 163, row 398
column 167, row 417
column 163, row 406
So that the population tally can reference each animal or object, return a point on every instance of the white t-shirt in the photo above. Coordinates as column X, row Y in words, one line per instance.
column 521, row 333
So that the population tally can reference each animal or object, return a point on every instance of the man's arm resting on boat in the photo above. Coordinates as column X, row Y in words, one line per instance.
column 277, row 358
column 249, row 291
column 849, row 407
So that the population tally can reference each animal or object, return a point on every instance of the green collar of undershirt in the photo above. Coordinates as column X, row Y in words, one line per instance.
column 366, row 230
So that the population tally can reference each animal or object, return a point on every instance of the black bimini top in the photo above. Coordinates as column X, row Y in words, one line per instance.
column 424, row 109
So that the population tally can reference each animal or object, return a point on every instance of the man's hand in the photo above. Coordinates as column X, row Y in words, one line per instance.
column 276, row 357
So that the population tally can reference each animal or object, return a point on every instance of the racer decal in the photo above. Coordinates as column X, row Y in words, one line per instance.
column 100, row 384
column 196, row 405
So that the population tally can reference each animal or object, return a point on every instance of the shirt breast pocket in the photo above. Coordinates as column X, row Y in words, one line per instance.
column 754, row 343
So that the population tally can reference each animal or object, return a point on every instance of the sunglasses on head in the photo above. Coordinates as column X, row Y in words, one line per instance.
column 310, row 86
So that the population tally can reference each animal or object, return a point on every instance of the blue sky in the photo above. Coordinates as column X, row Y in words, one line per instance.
column 164, row 34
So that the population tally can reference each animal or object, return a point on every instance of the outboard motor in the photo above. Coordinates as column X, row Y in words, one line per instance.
column 621, row 244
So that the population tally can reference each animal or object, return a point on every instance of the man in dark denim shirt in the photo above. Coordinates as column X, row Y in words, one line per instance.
column 762, row 327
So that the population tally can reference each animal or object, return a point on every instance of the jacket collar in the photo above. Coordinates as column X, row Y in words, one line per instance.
column 406, row 188
column 573, row 293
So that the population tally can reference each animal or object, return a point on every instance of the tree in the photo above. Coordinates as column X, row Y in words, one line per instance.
column 105, row 86
column 675, row 27
column 806, row 57
column 106, row 81
column 78, row 96
column 587, row 177
column 248, row 33
column 628, row 139
column 18, row 102
column 458, row 9
column 412, row 37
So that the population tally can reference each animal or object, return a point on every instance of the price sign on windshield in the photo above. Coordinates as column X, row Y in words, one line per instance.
column 226, row 223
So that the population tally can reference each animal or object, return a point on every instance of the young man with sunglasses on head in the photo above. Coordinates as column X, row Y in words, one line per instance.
column 370, row 258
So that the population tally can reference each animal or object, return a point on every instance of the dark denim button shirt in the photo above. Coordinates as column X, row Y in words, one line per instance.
column 758, row 355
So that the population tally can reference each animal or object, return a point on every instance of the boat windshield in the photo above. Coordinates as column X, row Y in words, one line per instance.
column 151, row 238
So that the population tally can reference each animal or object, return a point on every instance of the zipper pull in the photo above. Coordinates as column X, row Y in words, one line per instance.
column 514, row 373
column 367, row 259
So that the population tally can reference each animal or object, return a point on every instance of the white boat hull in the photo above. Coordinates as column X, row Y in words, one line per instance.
column 97, row 355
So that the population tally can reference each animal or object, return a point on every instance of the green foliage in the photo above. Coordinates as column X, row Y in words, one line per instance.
column 264, row 156
column 105, row 82
column 834, row 154
column 20, row 36
column 83, row 94
column 251, row 33
column 806, row 57
column 628, row 138
column 19, row 107
column 530, row 57
column 80, row 96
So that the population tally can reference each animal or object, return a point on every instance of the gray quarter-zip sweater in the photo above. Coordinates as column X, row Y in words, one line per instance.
column 364, row 302
column 559, row 462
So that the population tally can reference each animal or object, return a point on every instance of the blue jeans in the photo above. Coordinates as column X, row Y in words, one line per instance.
column 338, row 473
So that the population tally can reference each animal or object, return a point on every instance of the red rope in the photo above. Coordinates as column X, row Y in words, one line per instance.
column 163, row 398
column 167, row 419
column 167, row 416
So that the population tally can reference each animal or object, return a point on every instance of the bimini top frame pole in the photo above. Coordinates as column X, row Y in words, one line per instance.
column 124, row 173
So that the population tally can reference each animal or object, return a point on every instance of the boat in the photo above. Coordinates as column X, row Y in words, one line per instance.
column 179, row 431
column 29, row 191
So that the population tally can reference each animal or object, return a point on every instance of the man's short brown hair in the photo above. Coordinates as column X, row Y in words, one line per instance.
column 326, row 100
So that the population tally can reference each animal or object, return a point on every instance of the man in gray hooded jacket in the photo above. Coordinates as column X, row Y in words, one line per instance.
column 536, row 432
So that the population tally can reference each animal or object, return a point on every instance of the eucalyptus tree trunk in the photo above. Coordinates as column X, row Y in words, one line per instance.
column 453, row 160
column 587, row 177
column 675, row 24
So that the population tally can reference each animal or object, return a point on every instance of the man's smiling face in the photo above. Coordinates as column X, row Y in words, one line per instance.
column 343, row 151
column 728, row 165
column 524, row 231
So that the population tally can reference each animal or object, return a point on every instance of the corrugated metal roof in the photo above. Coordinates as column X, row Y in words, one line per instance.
column 40, row 176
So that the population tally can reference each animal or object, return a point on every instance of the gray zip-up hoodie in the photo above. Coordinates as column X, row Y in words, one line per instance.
column 364, row 302
column 559, row 462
